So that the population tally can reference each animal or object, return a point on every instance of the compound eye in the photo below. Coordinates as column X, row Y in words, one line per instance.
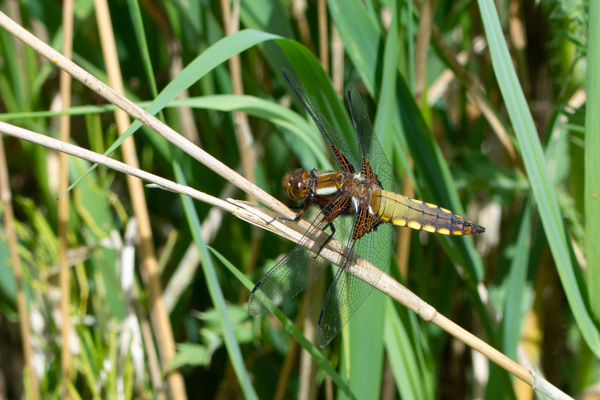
column 295, row 185
column 298, row 188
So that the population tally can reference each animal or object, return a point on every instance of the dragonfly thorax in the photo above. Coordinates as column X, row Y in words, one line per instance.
column 319, row 188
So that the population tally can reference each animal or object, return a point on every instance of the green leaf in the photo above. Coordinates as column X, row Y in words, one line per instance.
column 592, row 163
column 203, row 64
column 216, row 293
column 537, row 171
column 190, row 354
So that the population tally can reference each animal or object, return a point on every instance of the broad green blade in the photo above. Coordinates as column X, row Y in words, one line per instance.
column 537, row 171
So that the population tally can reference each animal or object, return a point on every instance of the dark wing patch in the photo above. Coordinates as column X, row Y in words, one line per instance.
column 373, row 161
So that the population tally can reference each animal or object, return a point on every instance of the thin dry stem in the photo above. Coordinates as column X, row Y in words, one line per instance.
column 245, row 139
column 475, row 92
column 9, row 224
column 311, row 307
column 138, row 113
column 30, row 379
column 299, row 14
column 161, row 322
column 186, row 118
column 404, row 237
column 337, row 61
column 422, row 46
column 285, row 372
column 323, row 36
column 243, row 133
column 154, row 369
column 64, row 201
column 91, row 156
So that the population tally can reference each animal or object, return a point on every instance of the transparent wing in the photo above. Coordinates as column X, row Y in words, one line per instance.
column 371, row 153
column 301, row 266
column 347, row 292
column 292, row 274
column 336, row 143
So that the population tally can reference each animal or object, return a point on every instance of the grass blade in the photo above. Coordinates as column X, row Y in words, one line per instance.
column 537, row 171
column 592, row 161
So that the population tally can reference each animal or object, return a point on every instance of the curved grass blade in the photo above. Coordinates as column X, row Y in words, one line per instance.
column 203, row 64
column 592, row 161
column 216, row 294
column 537, row 171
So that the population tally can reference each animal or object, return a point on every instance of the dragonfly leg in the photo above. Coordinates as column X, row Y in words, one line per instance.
column 296, row 218
column 329, row 237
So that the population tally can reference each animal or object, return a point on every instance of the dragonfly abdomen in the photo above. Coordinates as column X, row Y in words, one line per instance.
column 402, row 211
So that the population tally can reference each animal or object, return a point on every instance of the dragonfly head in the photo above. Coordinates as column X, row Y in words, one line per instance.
column 295, row 185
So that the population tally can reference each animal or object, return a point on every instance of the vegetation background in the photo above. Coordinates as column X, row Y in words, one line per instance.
column 480, row 107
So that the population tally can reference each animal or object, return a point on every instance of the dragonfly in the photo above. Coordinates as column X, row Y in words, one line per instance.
column 360, row 204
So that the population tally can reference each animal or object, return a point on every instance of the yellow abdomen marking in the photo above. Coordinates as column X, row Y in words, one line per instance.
column 399, row 222
column 414, row 224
